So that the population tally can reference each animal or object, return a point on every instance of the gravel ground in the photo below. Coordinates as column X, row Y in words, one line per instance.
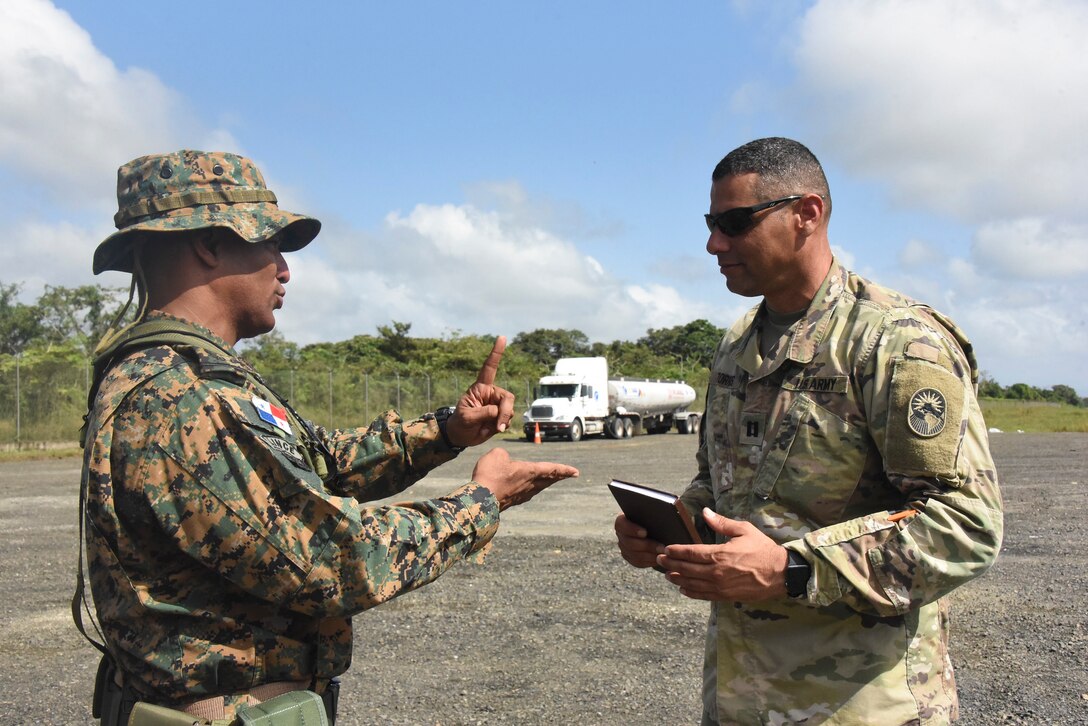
column 555, row 629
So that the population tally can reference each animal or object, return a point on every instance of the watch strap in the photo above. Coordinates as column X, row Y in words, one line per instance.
column 441, row 416
column 798, row 572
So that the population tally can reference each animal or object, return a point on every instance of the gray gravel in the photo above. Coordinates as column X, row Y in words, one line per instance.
column 554, row 628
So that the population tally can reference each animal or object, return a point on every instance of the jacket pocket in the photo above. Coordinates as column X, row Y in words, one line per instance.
column 813, row 462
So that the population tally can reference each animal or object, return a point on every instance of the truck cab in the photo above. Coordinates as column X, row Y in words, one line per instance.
column 572, row 401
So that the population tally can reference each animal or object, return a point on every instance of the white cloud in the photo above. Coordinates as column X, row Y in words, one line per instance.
column 974, row 110
column 36, row 254
column 1035, row 249
column 920, row 255
column 70, row 117
column 514, row 204
column 450, row 268
column 970, row 108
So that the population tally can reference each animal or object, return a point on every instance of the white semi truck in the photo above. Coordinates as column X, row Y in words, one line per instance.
column 579, row 399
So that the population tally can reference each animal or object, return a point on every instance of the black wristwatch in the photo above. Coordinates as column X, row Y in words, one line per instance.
column 441, row 416
column 798, row 572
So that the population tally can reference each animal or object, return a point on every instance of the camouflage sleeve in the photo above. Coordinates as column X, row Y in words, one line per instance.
column 385, row 458
column 233, row 493
column 700, row 492
column 928, row 428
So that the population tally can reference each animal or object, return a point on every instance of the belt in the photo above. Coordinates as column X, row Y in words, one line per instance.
column 114, row 700
column 215, row 707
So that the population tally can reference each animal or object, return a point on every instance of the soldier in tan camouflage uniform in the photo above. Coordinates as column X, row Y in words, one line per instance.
column 844, row 483
column 228, row 545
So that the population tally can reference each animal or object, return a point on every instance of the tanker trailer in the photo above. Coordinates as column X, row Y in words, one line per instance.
column 579, row 398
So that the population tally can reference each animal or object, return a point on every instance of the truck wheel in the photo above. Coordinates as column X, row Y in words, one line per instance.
column 628, row 428
column 693, row 424
column 575, row 431
column 683, row 427
column 615, row 428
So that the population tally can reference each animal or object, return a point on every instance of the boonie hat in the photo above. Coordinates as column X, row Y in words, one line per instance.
column 191, row 190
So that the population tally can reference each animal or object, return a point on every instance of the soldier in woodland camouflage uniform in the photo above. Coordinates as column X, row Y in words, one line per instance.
column 845, row 483
column 227, row 545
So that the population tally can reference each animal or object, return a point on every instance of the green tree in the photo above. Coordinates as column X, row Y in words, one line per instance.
column 1064, row 394
column 395, row 342
column 629, row 359
column 19, row 324
column 80, row 315
column 271, row 351
column 694, row 343
column 545, row 345
column 989, row 388
column 1022, row 392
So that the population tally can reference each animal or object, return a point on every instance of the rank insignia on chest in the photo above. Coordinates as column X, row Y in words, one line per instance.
column 926, row 414
column 273, row 414
column 751, row 429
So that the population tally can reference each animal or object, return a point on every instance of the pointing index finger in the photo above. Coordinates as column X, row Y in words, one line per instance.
column 491, row 365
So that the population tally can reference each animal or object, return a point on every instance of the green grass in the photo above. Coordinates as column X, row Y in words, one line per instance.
column 1033, row 416
column 32, row 453
column 1009, row 416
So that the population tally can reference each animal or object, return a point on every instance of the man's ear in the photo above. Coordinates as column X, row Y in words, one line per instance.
column 207, row 247
column 811, row 210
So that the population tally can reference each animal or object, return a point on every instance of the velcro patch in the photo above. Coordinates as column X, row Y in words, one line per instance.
column 924, row 417
column 925, row 351
column 271, row 413
column 287, row 449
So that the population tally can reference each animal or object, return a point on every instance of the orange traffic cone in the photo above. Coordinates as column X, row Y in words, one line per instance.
column 536, row 433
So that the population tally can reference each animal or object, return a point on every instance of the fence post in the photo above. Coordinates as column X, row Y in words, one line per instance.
column 366, row 397
column 429, row 406
column 291, row 386
column 18, row 401
column 330, row 398
column 398, row 391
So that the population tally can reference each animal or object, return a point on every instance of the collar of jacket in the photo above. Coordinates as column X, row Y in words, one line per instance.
column 808, row 333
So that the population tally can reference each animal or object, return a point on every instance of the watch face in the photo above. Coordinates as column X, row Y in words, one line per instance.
column 798, row 572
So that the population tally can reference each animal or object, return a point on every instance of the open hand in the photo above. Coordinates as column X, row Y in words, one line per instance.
column 516, row 482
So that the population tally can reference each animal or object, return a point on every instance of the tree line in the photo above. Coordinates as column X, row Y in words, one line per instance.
column 65, row 323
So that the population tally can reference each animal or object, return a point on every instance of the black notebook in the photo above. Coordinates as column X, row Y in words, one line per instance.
column 661, row 513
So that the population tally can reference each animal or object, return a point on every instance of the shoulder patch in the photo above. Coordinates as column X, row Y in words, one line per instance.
column 273, row 414
column 286, row 448
column 924, row 351
column 928, row 412
column 924, row 420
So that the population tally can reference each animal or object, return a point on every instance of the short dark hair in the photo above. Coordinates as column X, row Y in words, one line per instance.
column 784, row 167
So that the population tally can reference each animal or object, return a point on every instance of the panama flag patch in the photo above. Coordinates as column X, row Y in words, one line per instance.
column 272, row 414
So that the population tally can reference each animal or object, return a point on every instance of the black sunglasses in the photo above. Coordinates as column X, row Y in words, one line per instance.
column 738, row 220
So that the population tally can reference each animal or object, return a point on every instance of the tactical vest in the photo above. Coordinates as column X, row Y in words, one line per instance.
column 216, row 363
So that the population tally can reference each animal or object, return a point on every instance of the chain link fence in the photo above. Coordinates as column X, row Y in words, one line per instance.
column 44, row 402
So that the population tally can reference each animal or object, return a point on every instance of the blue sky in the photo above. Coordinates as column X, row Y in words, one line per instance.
column 494, row 168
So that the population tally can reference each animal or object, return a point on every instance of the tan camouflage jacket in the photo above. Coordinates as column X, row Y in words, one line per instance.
column 867, row 407
column 218, row 558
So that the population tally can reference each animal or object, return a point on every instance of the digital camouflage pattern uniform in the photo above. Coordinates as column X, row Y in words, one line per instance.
column 220, row 557
column 866, row 407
